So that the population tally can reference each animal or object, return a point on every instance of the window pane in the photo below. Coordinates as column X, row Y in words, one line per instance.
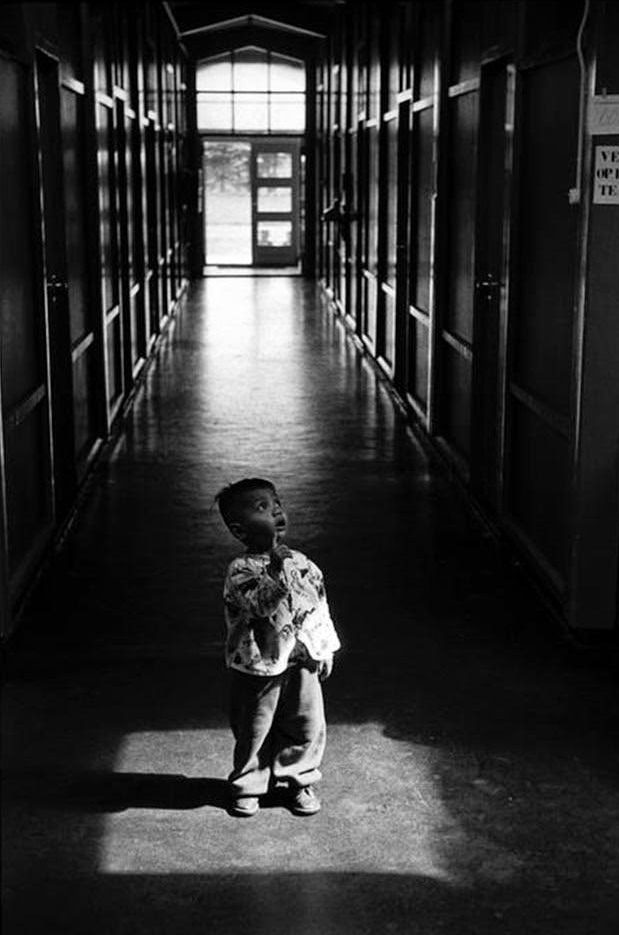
column 275, row 199
column 214, row 112
column 250, row 112
column 215, row 76
column 274, row 233
column 250, row 70
column 287, row 75
column 288, row 112
column 274, row 165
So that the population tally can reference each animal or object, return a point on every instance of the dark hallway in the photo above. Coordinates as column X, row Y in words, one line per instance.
column 419, row 201
column 470, row 778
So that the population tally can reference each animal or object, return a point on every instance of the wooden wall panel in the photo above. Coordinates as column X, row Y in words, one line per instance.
column 19, row 315
column 102, row 72
column 539, row 487
column 547, row 245
column 488, row 334
column 76, row 231
column 455, row 417
column 422, row 208
column 25, row 468
column 462, row 169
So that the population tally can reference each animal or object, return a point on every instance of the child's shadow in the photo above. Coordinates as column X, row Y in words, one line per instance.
column 114, row 792
column 94, row 791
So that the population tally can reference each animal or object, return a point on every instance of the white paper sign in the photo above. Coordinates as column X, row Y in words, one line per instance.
column 606, row 176
column 604, row 114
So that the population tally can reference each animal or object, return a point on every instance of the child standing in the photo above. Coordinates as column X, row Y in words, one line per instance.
column 279, row 647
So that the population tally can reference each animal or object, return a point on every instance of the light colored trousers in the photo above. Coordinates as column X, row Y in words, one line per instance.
column 279, row 727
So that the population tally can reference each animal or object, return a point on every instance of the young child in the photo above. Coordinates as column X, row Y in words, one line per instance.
column 279, row 647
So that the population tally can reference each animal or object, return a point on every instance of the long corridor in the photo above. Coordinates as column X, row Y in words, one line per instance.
column 470, row 781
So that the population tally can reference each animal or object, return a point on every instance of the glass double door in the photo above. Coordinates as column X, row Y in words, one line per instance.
column 251, row 202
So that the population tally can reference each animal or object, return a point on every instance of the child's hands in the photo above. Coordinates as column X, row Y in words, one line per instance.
column 325, row 668
column 278, row 554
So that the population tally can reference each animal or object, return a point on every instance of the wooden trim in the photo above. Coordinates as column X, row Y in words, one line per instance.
column 368, row 343
column 385, row 366
column 82, row 345
column 424, row 103
column 105, row 99
column 419, row 411
column 42, row 297
column 72, row 84
column 112, row 314
column 507, row 272
column 20, row 412
column 5, row 616
column 115, row 406
column 538, row 559
column 24, row 572
column 438, row 221
column 547, row 58
column 138, row 367
column 464, row 348
column 91, row 180
column 456, row 458
column 419, row 314
column 555, row 420
column 464, row 87
column 94, row 451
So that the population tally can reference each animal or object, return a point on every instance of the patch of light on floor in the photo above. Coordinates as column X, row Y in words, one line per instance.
column 382, row 813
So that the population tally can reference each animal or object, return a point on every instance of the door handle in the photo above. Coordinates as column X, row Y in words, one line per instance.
column 55, row 287
column 488, row 283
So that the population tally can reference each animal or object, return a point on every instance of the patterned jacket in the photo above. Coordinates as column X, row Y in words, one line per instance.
column 272, row 622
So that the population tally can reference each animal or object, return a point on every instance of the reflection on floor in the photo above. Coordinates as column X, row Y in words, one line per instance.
column 252, row 270
column 470, row 777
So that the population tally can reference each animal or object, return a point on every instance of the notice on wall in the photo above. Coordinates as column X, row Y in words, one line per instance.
column 604, row 114
column 606, row 176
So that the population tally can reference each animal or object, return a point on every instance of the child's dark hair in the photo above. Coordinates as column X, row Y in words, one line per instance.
column 228, row 496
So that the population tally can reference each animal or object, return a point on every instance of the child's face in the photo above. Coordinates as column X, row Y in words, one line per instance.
column 260, row 521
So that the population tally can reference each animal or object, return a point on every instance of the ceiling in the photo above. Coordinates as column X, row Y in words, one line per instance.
column 296, row 27
column 305, row 17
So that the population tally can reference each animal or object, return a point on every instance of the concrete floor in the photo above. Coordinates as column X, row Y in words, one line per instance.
column 471, row 772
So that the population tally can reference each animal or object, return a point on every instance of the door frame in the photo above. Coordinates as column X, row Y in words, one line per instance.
column 299, row 233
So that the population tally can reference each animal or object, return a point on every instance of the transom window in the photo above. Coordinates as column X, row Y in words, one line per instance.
column 251, row 90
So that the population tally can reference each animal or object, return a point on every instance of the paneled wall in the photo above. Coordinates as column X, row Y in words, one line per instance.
column 455, row 165
column 94, row 194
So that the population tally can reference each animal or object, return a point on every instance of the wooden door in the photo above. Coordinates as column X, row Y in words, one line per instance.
column 74, row 348
column 153, row 237
column 26, row 480
column 455, row 333
column 275, row 202
column 494, row 188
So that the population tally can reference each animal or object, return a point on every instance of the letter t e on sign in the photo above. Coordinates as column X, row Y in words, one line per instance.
column 606, row 176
